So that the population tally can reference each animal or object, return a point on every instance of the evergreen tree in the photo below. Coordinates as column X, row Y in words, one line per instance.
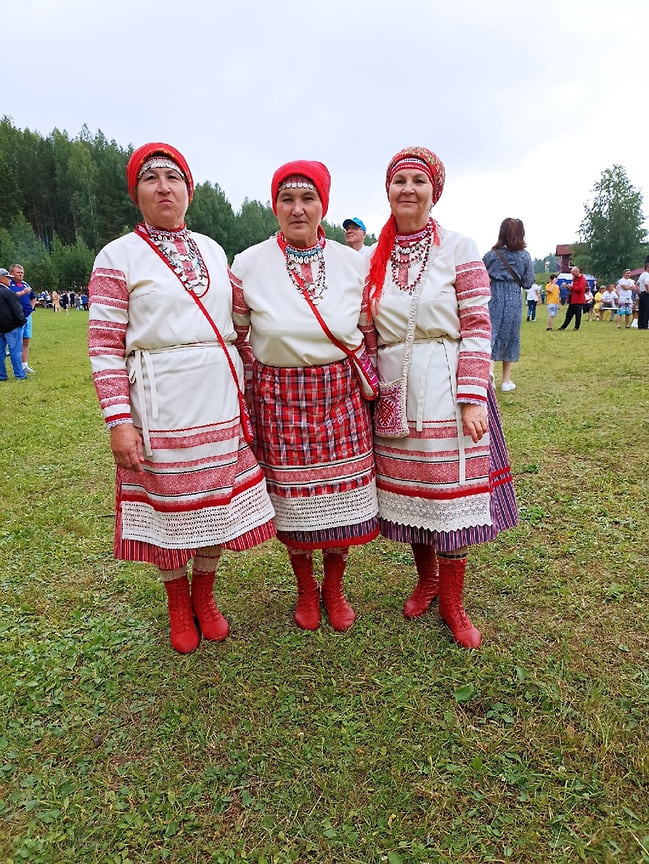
column 72, row 264
column 255, row 223
column 211, row 213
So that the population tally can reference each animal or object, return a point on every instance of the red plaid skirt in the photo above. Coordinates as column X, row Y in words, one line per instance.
column 313, row 440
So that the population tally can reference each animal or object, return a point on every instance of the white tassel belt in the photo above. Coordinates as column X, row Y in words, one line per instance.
column 451, row 365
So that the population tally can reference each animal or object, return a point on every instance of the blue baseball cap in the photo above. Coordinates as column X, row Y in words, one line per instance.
column 355, row 221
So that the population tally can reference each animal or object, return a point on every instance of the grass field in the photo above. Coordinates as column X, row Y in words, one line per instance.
column 384, row 744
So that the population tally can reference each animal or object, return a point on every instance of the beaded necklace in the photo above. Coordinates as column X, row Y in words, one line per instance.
column 180, row 252
column 411, row 249
column 299, row 265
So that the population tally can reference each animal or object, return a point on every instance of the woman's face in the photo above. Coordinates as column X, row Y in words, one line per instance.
column 163, row 198
column 299, row 213
column 410, row 194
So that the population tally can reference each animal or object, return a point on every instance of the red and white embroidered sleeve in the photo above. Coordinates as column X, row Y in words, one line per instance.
column 473, row 290
column 108, row 297
column 241, row 321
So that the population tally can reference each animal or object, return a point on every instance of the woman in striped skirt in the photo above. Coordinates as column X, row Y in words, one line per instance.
column 446, row 483
column 188, row 484
column 313, row 435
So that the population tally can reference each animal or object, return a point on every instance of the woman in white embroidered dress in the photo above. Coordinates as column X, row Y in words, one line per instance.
column 447, row 483
column 188, row 484
column 313, row 435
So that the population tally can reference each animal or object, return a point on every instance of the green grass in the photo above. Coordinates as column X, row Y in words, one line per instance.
column 385, row 744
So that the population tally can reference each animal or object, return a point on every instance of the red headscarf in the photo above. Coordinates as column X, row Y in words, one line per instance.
column 411, row 159
column 139, row 157
column 316, row 172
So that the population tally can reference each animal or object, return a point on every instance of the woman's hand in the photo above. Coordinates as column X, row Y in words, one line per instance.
column 474, row 420
column 126, row 444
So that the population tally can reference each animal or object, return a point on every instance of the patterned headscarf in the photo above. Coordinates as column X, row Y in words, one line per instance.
column 144, row 153
column 411, row 159
column 418, row 159
column 316, row 172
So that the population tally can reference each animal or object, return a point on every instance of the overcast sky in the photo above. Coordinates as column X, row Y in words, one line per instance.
column 525, row 102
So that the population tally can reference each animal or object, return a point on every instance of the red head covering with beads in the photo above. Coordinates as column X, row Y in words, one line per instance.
column 408, row 159
column 418, row 159
column 316, row 172
column 145, row 152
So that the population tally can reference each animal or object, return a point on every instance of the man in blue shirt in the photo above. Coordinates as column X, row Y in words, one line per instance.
column 12, row 321
column 28, row 299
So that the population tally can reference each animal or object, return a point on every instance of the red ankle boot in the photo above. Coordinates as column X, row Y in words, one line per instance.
column 184, row 635
column 307, row 609
column 212, row 623
column 340, row 613
column 451, row 588
column 427, row 587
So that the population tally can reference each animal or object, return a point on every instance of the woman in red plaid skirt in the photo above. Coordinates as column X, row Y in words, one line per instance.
column 313, row 435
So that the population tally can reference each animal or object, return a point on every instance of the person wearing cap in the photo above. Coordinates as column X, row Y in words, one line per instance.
column 168, row 378
column 23, row 291
column 12, row 321
column 313, row 435
column 355, row 235
column 625, row 292
column 446, row 483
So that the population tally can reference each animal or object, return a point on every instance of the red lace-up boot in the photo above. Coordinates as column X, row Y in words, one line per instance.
column 184, row 635
column 451, row 588
column 307, row 609
column 427, row 587
column 340, row 613
column 212, row 623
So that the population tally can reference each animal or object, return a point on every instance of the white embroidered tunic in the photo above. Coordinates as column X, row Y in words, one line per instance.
column 437, row 479
column 313, row 429
column 283, row 329
column 156, row 360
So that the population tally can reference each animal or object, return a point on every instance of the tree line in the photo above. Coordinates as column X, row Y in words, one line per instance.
column 64, row 198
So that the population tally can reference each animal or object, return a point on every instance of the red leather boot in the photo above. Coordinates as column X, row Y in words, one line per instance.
column 307, row 609
column 427, row 587
column 340, row 613
column 451, row 588
column 184, row 635
column 212, row 623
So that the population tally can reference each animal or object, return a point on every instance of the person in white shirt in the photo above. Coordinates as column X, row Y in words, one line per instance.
column 643, row 298
column 625, row 290
column 533, row 297
column 608, row 303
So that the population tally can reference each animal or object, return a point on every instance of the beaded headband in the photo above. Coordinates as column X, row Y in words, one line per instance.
column 159, row 161
column 412, row 163
column 297, row 181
